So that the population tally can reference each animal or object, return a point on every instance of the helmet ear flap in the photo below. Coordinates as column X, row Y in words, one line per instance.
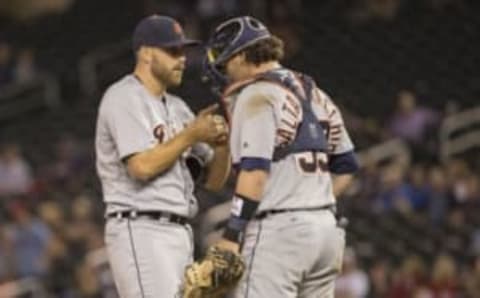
column 214, row 77
column 217, row 52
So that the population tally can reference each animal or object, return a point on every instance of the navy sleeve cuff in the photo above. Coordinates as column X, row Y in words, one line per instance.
column 345, row 163
column 254, row 163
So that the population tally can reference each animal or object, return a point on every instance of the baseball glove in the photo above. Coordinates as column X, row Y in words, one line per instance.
column 213, row 276
column 196, row 167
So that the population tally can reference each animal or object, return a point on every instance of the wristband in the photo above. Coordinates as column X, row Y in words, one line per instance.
column 243, row 209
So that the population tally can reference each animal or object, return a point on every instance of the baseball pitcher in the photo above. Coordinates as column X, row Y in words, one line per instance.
column 144, row 135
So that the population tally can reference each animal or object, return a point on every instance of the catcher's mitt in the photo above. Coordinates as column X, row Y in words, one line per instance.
column 215, row 275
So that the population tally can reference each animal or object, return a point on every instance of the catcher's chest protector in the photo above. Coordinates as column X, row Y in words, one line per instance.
column 310, row 136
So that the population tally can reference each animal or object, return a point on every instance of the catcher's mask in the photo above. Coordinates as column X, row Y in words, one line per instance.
column 228, row 39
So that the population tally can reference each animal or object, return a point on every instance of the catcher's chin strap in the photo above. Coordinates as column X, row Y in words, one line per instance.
column 243, row 209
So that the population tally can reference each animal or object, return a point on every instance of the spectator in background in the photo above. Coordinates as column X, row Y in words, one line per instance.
column 67, row 159
column 390, row 188
column 59, row 268
column 53, row 215
column 411, row 122
column 353, row 281
column 411, row 277
column 30, row 237
column 448, row 5
column 15, row 172
column 5, row 255
column 437, row 190
column 417, row 189
column 369, row 10
column 28, row 10
column 283, row 21
column 465, row 184
column 398, row 195
column 444, row 278
column 6, row 63
column 68, row 171
column 472, row 283
column 81, row 225
column 94, row 277
column 213, row 9
column 25, row 68
column 379, row 278
column 422, row 292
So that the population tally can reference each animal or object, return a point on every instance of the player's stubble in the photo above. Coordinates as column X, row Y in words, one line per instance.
column 169, row 76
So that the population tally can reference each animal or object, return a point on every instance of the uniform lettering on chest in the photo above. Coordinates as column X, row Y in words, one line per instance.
column 159, row 132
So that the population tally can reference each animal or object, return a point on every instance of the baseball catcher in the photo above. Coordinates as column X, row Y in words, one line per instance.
column 292, row 156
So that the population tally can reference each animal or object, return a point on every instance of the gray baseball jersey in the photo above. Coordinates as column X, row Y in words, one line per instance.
column 265, row 115
column 147, row 256
column 131, row 120
column 290, row 254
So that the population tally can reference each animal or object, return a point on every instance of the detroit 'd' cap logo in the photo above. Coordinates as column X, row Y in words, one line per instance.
column 177, row 28
column 159, row 132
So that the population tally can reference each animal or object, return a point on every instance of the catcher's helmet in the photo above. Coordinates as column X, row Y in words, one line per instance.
column 228, row 39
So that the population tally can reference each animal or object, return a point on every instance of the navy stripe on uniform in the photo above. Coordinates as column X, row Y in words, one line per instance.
column 254, row 163
column 130, row 233
column 250, row 265
column 344, row 163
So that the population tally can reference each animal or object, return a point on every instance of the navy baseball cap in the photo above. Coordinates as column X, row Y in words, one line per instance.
column 160, row 31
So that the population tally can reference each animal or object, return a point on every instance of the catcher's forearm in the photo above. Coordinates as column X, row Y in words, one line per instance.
column 248, row 193
column 251, row 184
column 341, row 183
column 218, row 169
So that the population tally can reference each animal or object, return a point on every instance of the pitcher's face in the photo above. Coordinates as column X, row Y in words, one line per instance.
column 167, row 65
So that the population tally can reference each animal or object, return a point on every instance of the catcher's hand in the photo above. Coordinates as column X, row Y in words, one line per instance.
column 215, row 275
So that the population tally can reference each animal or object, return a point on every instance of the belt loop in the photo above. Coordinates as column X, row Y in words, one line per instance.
column 118, row 215
column 133, row 214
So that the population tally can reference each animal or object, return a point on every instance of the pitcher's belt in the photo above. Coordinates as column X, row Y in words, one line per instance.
column 155, row 215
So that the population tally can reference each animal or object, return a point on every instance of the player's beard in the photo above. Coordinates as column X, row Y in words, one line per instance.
column 167, row 76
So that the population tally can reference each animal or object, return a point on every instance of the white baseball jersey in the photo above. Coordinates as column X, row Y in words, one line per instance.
column 131, row 120
column 266, row 115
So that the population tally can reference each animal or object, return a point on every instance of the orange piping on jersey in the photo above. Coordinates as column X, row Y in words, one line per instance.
column 332, row 113
column 334, row 133
column 289, row 110
column 289, row 124
column 228, row 115
column 317, row 96
column 294, row 103
column 336, row 127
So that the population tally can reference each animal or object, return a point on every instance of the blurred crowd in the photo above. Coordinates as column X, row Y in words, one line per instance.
column 411, row 278
column 413, row 227
column 427, row 211
column 17, row 66
column 52, row 223
column 49, row 223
